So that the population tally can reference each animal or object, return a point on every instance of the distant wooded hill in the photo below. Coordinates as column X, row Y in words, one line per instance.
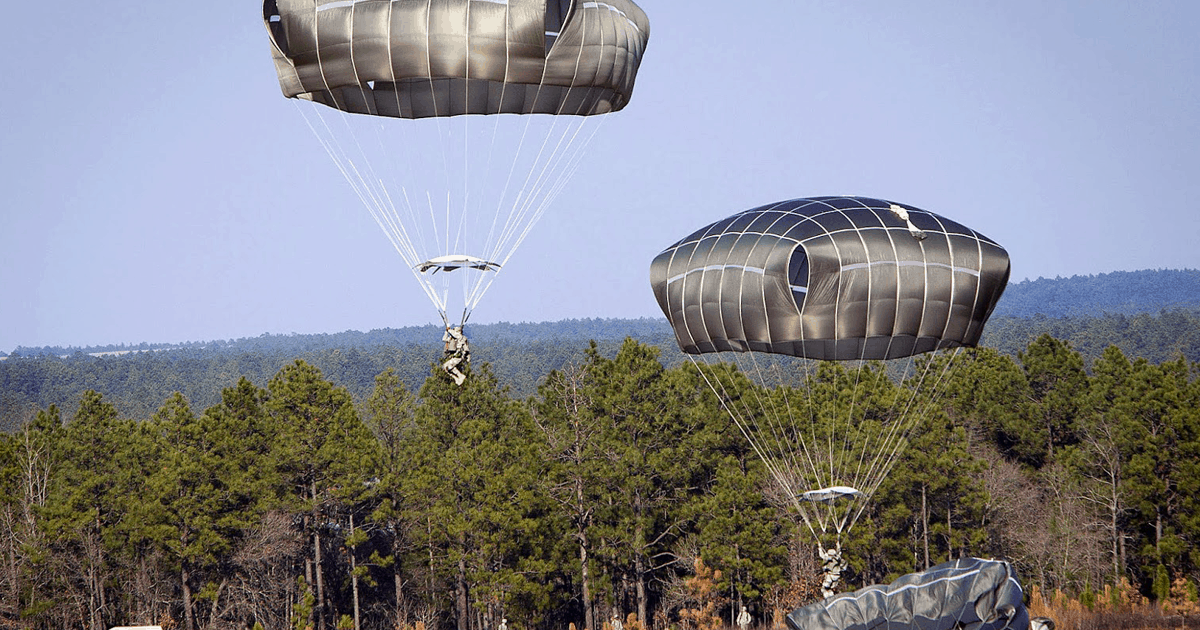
column 1153, row 314
column 1119, row 292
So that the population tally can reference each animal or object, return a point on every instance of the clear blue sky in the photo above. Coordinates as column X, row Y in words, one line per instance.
column 158, row 187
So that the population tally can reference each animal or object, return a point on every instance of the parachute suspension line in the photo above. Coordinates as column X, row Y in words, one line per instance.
column 534, row 204
column 772, row 434
column 370, row 191
column 520, row 214
column 856, row 434
column 492, row 245
column 370, row 188
column 473, row 294
column 531, row 195
column 785, row 435
column 500, row 243
column 740, row 419
column 362, row 186
column 799, row 462
column 554, row 172
column 574, row 152
column 914, row 410
column 869, row 442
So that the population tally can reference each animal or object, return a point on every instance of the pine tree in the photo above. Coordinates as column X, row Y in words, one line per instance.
column 390, row 415
column 647, row 440
column 1058, row 382
column 86, row 504
column 475, row 488
column 577, row 469
column 326, row 457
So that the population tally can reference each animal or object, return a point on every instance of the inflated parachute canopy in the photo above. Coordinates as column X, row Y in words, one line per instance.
column 426, row 58
column 833, row 278
column 965, row 594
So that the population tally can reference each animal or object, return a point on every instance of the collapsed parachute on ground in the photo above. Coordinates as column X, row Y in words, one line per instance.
column 840, row 278
column 966, row 594
column 443, row 182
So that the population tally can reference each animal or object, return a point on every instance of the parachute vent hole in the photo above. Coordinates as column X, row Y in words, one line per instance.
column 558, row 13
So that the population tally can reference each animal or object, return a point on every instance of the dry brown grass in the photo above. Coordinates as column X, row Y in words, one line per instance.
column 1120, row 608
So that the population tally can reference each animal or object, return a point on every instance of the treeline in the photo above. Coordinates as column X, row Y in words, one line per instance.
column 138, row 379
column 293, row 505
column 520, row 355
column 1156, row 337
column 1128, row 293
column 412, row 336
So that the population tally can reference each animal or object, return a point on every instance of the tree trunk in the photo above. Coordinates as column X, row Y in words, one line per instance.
column 1158, row 535
column 98, row 600
column 397, row 578
column 640, row 584
column 461, row 602
column 588, row 615
column 189, row 619
column 319, row 605
column 925, row 527
column 354, row 576
column 949, row 537
column 216, row 604
column 398, row 584
column 1121, row 541
column 1116, row 538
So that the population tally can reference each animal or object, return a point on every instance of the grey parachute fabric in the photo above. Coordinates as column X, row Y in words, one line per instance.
column 432, row 58
column 833, row 278
column 966, row 594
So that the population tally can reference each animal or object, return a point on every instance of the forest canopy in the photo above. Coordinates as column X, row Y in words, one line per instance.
column 339, row 481
column 619, row 487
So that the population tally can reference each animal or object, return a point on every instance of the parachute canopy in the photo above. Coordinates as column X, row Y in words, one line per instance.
column 834, row 278
column 966, row 594
column 434, row 58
